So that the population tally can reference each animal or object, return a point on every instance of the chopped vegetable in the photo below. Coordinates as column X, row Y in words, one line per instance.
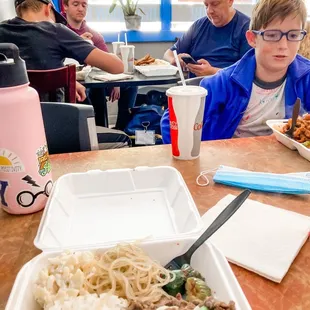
column 196, row 289
column 190, row 272
column 307, row 144
column 204, row 308
column 177, row 285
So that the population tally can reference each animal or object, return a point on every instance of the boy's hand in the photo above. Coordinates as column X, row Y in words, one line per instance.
column 204, row 68
column 115, row 94
column 80, row 92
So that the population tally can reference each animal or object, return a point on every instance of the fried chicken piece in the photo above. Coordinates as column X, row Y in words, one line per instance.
column 146, row 60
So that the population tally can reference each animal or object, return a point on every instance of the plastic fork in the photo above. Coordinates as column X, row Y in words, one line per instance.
column 225, row 215
column 296, row 109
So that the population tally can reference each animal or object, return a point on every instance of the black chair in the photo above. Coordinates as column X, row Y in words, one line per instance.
column 193, row 81
column 69, row 127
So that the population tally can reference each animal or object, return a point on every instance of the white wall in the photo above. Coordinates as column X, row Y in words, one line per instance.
column 7, row 9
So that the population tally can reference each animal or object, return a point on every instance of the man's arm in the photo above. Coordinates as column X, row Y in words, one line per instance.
column 105, row 61
column 170, row 58
column 182, row 46
column 73, row 46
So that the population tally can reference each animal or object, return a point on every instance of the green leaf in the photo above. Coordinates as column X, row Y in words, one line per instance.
column 129, row 7
column 112, row 7
column 141, row 11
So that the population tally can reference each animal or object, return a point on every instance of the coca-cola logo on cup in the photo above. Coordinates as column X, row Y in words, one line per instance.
column 173, row 125
column 198, row 126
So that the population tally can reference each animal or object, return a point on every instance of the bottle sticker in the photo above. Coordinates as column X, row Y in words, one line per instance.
column 10, row 162
column 3, row 187
column 43, row 160
column 27, row 198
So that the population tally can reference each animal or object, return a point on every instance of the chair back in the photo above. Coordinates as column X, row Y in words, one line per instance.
column 69, row 127
column 50, row 81
column 193, row 81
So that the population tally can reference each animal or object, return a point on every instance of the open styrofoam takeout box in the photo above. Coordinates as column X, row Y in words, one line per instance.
column 98, row 209
column 275, row 125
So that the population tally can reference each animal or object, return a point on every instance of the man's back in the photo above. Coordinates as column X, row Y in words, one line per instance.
column 44, row 45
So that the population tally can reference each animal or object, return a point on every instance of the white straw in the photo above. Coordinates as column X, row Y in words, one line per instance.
column 118, row 37
column 179, row 67
column 125, row 38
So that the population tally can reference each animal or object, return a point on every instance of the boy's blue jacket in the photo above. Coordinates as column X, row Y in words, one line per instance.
column 229, row 93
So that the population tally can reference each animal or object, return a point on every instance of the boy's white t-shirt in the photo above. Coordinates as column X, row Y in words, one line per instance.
column 264, row 104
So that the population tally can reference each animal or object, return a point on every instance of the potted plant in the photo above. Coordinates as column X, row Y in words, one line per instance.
column 129, row 7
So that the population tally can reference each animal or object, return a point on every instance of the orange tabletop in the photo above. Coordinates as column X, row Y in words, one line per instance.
column 260, row 154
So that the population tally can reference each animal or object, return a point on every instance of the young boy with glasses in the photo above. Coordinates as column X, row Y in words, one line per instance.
column 265, row 83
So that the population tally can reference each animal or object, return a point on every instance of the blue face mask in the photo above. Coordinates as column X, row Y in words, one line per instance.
column 294, row 183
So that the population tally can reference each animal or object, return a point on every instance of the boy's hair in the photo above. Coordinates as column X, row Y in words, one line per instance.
column 66, row 2
column 33, row 5
column 265, row 11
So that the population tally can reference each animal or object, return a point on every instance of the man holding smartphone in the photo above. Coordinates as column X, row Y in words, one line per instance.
column 215, row 41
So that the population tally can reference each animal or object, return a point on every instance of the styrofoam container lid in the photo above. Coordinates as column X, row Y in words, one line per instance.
column 101, row 207
column 190, row 90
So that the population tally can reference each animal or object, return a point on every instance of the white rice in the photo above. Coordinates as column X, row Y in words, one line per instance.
column 91, row 301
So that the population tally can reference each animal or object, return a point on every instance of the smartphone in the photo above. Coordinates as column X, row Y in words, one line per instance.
column 189, row 60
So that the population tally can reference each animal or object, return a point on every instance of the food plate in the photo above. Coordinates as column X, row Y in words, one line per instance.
column 276, row 125
column 157, row 70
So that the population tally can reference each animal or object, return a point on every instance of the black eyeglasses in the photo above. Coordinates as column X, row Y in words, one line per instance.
column 276, row 35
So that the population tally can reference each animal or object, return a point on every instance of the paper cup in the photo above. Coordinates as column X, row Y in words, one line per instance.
column 186, row 110
column 116, row 48
column 128, row 56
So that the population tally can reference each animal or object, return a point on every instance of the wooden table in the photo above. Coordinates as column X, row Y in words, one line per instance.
column 260, row 154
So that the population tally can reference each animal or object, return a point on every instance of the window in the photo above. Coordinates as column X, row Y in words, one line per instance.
column 165, row 20
column 98, row 16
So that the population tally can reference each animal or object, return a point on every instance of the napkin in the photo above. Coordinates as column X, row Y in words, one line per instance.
column 259, row 237
column 81, row 75
column 112, row 77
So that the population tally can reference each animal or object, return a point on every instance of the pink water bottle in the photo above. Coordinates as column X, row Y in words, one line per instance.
column 25, row 170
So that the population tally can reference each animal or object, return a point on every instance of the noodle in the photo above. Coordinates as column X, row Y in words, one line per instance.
column 128, row 272
column 125, row 271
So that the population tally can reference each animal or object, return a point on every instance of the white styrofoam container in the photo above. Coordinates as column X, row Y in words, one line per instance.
column 147, row 203
column 98, row 209
column 157, row 70
column 275, row 125
column 207, row 259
